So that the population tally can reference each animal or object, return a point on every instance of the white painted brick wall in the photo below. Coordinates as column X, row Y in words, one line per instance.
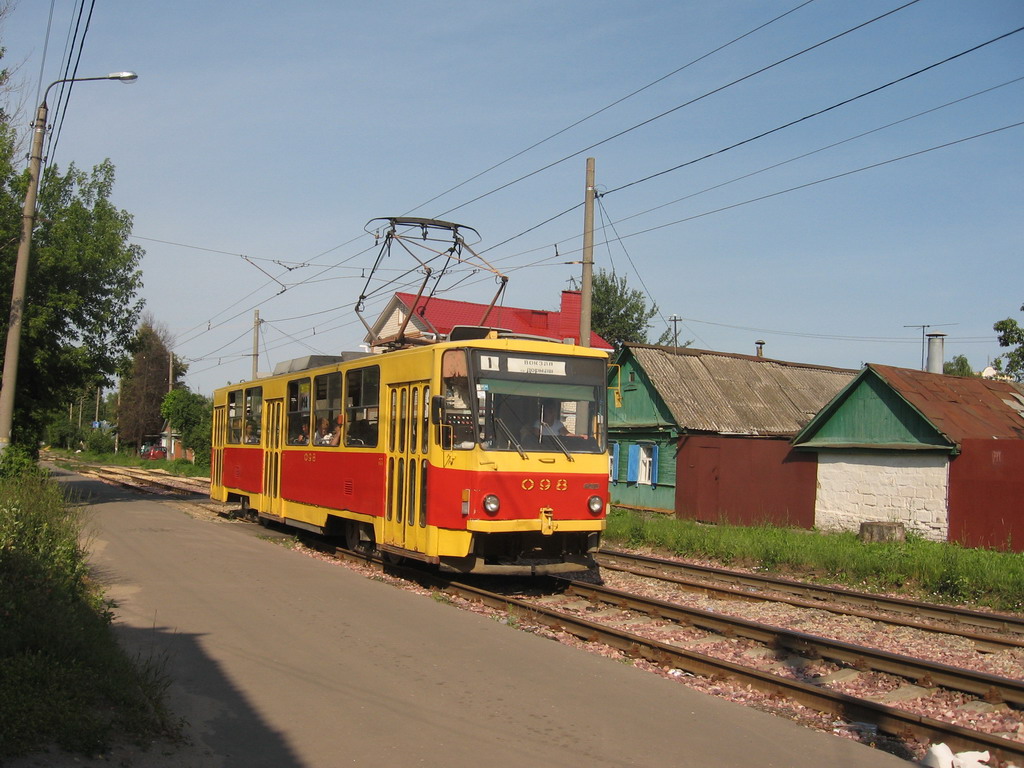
column 886, row 486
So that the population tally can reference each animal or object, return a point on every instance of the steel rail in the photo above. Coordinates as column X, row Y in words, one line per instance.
column 926, row 673
column 983, row 642
column 890, row 720
column 1000, row 622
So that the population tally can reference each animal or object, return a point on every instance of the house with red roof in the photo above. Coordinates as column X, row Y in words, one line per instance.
column 433, row 319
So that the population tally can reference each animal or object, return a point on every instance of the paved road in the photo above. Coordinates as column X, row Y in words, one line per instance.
column 281, row 660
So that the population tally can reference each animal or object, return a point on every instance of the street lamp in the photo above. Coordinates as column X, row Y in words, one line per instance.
column 28, row 216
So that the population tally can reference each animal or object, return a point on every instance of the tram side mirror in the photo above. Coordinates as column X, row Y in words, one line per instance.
column 436, row 409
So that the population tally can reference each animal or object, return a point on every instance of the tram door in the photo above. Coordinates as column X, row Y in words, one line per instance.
column 407, row 433
column 273, row 437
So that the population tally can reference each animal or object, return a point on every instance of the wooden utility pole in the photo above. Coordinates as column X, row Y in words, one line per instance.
column 586, row 293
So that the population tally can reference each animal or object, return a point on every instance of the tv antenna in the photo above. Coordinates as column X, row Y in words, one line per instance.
column 924, row 337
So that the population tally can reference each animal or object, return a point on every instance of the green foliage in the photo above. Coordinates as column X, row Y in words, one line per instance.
column 944, row 571
column 63, row 432
column 18, row 461
column 144, row 385
column 63, row 679
column 620, row 314
column 99, row 441
column 191, row 415
column 1011, row 335
column 81, row 304
column 958, row 366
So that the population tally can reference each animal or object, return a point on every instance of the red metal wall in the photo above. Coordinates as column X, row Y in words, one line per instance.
column 745, row 481
column 986, row 494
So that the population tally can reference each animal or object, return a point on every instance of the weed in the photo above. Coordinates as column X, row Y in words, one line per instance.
column 63, row 678
column 946, row 571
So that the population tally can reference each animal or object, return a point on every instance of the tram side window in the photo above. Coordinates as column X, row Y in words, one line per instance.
column 328, row 417
column 235, row 416
column 253, row 415
column 299, row 412
column 362, row 397
column 458, row 428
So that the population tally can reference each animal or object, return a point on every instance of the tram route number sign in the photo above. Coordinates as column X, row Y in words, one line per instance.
column 525, row 365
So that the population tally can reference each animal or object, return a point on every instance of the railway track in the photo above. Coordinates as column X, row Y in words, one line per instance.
column 892, row 610
column 638, row 643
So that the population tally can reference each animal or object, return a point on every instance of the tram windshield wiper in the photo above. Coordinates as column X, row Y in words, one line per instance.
column 511, row 437
column 560, row 444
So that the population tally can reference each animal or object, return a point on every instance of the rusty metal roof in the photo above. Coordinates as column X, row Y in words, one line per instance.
column 960, row 407
column 738, row 394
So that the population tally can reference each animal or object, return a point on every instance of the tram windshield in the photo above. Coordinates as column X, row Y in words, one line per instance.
column 514, row 401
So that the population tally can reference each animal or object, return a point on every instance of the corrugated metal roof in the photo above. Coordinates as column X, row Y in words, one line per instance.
column 738, row 394
column 961, row 407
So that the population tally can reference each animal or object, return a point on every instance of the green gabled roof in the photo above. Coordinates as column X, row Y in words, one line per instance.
column 869, row 413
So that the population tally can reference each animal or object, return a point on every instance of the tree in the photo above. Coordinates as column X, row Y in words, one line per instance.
column 192, row 417
column 1011, row 335
column 81, row 299
column 958, row 366
column 620, row 314
column 145, row 383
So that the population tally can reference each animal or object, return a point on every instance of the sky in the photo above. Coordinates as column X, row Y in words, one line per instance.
column 767, row 169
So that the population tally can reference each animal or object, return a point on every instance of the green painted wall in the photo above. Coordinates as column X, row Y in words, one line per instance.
column 640, row 417
column 640, row 404
column 661, row 496
column 874, row 415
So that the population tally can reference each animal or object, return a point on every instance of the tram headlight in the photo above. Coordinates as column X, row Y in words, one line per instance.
column 595, row 504
column 491, row 504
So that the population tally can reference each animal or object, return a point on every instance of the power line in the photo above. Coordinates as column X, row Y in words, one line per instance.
column 819, row 149
column 680, row 106
column 817, row 113
column 609, row 106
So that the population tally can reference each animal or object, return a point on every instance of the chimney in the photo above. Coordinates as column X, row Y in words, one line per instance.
column 569, row 316
column 760, row 347
column 936, row 352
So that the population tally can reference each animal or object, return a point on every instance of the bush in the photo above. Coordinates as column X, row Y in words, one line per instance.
column 63, row 678
column 18, row 461
column 98, row 441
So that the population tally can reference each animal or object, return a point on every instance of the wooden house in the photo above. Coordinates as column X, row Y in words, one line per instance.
column 706, row 435
column 944, row 455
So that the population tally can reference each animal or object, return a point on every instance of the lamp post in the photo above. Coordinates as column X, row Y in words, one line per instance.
column 28, row 216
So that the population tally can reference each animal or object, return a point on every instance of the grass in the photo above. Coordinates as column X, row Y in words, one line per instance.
column 63, row 678
column 935, row 570
column 181, row 467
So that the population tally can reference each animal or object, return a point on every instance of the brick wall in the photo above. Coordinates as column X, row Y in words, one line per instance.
column 884, row 486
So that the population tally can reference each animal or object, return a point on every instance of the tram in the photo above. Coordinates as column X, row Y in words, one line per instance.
column 485, row 453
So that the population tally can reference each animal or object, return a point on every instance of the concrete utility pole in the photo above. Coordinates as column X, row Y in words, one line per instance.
column 28, row 217
column 674, row 319
column 255, row 343
column 587, row 291
column 170, row 388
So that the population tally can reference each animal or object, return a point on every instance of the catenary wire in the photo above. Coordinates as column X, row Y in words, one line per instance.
column 819, row 112
column 676, row 108
column 748, row 76
column 605, row 108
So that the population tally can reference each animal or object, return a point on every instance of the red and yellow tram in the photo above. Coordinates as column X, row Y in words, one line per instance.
column 483, row 456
